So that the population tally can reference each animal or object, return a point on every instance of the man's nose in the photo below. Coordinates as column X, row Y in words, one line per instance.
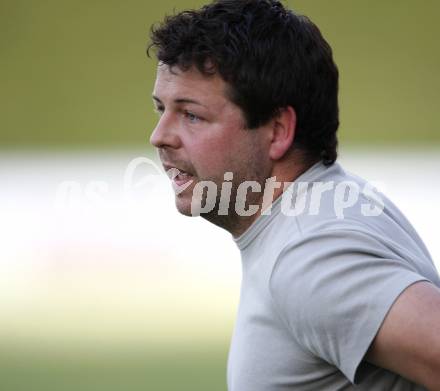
column 165, row 134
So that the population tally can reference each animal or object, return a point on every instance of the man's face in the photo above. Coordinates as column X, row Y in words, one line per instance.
column 203, row 134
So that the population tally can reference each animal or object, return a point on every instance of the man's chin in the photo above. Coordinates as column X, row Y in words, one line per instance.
column 184, row 210
column 190, row 203
column 183, row 204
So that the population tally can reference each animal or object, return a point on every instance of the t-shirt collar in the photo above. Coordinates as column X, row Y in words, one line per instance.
column 264, row 219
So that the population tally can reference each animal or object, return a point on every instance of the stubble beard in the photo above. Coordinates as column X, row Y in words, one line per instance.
column 232, row 221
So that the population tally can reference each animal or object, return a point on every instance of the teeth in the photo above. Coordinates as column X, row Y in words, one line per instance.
column 177, row 173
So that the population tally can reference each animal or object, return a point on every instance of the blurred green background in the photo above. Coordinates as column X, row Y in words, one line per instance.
column 74, row 75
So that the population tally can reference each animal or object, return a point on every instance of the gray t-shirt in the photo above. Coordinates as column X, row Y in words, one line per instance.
column 317, row 285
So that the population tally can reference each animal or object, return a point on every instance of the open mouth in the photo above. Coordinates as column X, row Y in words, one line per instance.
column 180, row 179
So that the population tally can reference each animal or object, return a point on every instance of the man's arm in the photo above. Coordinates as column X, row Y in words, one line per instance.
column 408, row 341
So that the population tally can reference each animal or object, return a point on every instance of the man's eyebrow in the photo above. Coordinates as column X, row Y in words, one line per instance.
column 180, row 100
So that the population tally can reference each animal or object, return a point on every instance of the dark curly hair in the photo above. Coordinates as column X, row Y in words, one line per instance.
column 270, row 57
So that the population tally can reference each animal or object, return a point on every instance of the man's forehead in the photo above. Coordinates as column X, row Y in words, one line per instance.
column 190, row 81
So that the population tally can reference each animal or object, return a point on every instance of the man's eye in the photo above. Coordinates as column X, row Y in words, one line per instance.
column 158, row 110
column 191, row 116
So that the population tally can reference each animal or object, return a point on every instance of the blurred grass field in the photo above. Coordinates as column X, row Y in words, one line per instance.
column 106, row 300
column 74, row 74
column 190, row 369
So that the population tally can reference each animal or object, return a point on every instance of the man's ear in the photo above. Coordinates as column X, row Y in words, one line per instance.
column 283, row 132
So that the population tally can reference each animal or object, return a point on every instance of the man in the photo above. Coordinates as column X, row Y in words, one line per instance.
column 338, row 290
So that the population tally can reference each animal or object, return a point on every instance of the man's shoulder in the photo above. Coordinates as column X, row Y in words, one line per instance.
column 335, row 199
